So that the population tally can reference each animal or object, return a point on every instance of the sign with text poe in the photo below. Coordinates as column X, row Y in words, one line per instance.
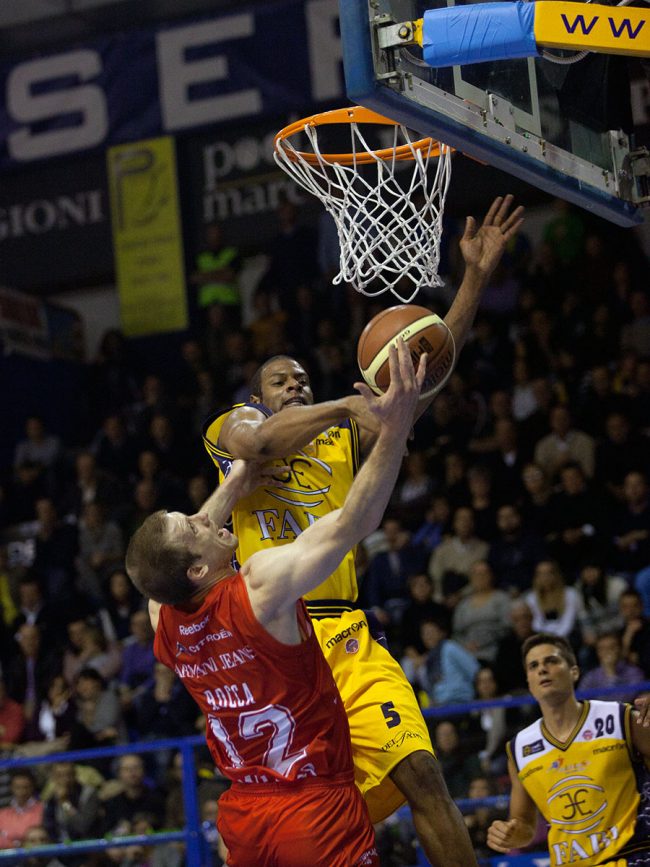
column 147, row 237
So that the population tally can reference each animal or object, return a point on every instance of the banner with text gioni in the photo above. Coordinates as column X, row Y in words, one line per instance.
column 147, row 237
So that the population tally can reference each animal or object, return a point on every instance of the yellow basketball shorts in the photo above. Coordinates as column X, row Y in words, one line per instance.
column 386, row 723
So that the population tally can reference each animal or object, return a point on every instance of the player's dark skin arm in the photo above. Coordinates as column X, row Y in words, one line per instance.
column 248, row 434
column 482, row 248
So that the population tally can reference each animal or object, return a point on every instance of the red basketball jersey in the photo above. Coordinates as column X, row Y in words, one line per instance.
column 273, row 712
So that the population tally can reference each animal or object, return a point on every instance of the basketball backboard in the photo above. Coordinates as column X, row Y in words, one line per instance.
column 563, row 128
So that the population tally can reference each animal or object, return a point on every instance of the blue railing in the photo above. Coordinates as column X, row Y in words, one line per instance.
column 196, row 846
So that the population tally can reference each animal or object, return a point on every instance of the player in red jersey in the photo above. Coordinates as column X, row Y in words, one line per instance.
column 244, row 646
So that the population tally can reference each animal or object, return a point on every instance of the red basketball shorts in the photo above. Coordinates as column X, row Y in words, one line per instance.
column 319, row 826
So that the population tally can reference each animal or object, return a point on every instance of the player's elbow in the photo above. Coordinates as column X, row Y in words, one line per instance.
column 249, row 445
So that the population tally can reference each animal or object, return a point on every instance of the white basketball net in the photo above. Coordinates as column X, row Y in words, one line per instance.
column 389, row 225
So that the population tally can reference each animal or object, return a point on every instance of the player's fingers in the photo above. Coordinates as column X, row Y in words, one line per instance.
column 274, row 471
column 470, row 228
column 514, row 219
column 504, row 207
column 421, row 371
column 393, row 362
column 364, row 390
column 405, row 364
column 491, row 214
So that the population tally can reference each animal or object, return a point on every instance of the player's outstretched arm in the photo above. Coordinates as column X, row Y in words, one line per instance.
column 249, row 434
column 482, row 248
column 519, row 829
column 278, row 577
column 243, row 478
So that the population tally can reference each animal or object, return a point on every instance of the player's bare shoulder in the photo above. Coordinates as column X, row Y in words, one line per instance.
column 236, row 430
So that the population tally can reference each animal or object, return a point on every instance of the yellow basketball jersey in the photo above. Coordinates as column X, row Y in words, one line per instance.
column 588, row 788
column 317, row 483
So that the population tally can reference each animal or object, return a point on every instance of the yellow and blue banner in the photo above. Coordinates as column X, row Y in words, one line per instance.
column 459, row 35
column 147, row 237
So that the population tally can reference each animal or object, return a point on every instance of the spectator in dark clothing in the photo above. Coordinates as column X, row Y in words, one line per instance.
column 537, row 498
column 29, row 674
column 576, row 520
column 507, row 461
column 420, row 607
column 414, row 490
column 631, row 526
column 136, row 796
column 122, row 602
column 507, row 663
column 154, row 400
column 90, row 485
column 436, row 523
column 294, row 259
column 482, row 501
column 536, row 425
column 57, row 717
column 480, row 818
column 515, row 552
column 458, row 767
column 636, row 631
column 172, row 451
column 599, row 401
column 73, row 811
column 138, row 660
column 144, row 502
column 38, row 447
column 165, row 709
column 27, row 486
column 98, row 711
column 620, row 453
column 114, row 375
column 55, row 551
column 612, row 670
column 488, row 355
column 35, row 610
column 385, row 589
column 114, row 448
column 170, row 491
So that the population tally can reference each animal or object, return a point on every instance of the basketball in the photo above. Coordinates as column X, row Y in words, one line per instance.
column 422, row 330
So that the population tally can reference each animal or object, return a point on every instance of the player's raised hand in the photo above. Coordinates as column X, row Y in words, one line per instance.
column 396, row 406
column 482, row 247
column 250, row 475
column 501, row 835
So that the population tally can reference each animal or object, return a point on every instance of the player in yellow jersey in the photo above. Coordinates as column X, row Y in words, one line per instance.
column 583, row 765
column 322, row 445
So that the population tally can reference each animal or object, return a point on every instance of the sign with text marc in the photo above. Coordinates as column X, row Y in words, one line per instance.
column 229, row 176
column 278, row 57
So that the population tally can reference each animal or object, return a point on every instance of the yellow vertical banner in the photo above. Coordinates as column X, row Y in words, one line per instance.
column 147, row 236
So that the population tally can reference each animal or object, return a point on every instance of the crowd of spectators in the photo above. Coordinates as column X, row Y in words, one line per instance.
column 524, row 505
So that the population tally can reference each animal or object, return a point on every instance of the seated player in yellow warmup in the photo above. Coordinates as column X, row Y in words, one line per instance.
column 583, row 765
column 323, row 445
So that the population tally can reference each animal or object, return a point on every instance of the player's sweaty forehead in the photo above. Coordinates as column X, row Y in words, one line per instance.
column 276, row 372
